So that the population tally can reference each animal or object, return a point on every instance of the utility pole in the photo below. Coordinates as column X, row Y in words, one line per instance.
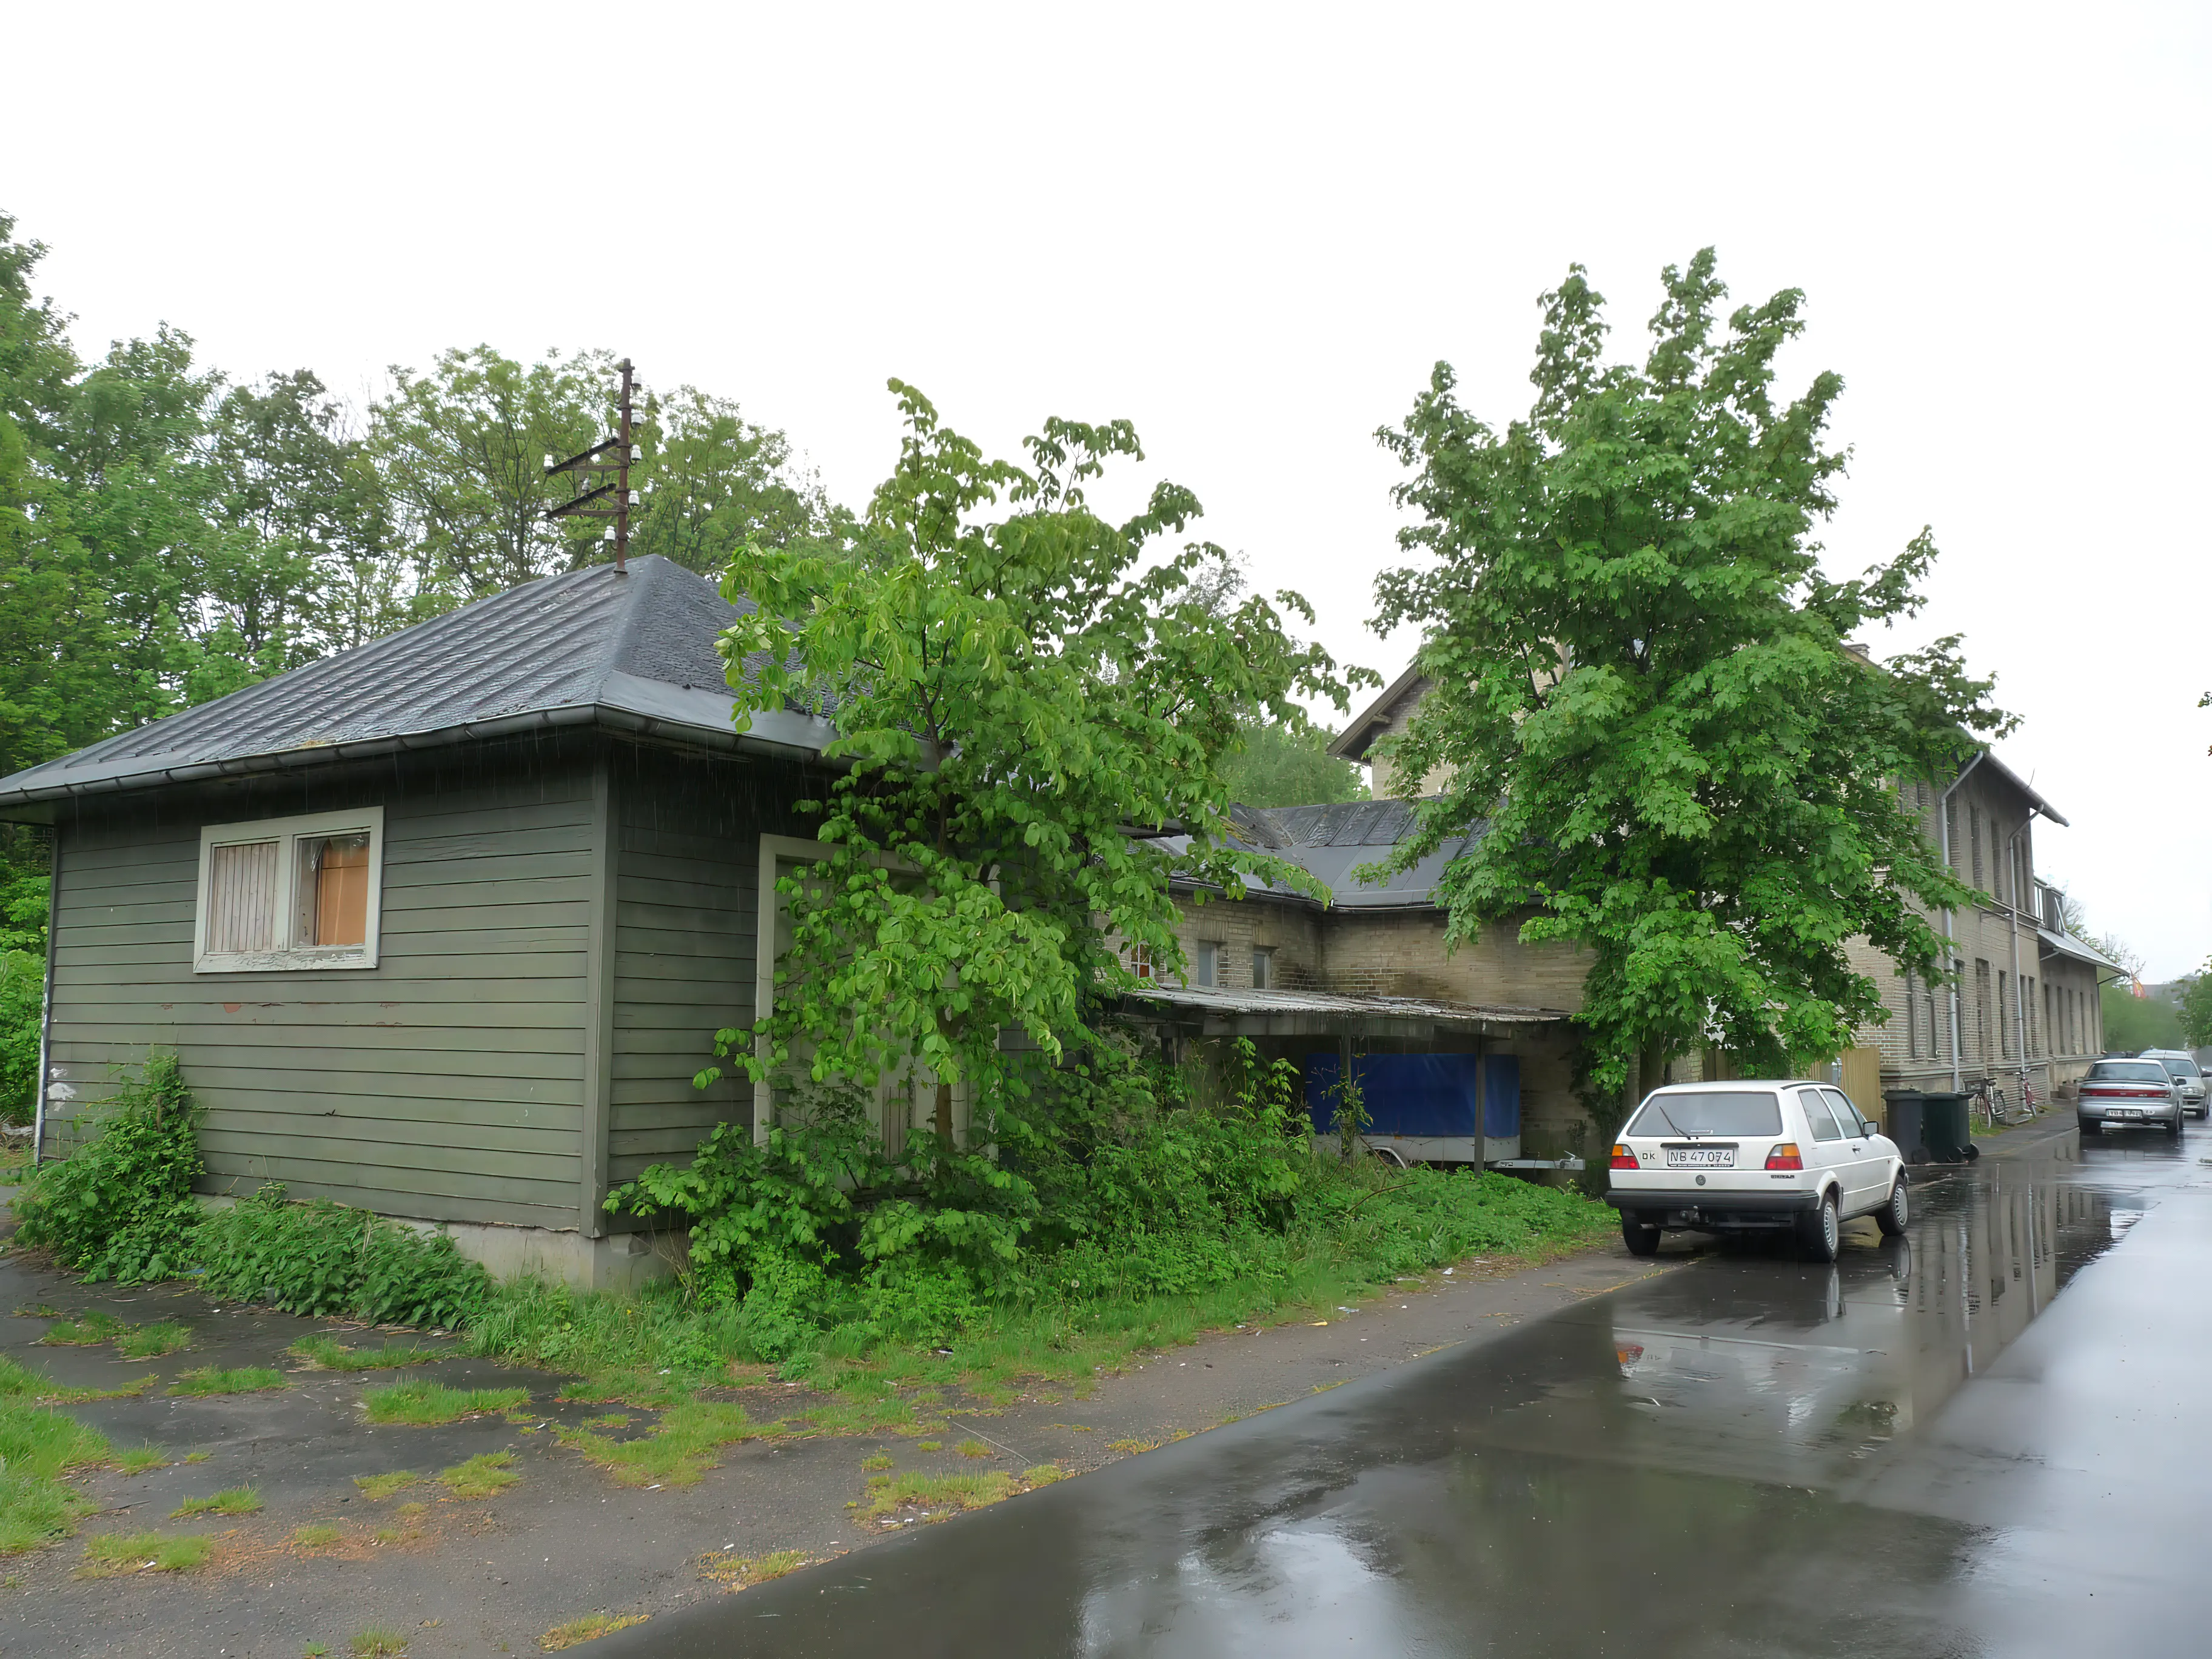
column 599, row 496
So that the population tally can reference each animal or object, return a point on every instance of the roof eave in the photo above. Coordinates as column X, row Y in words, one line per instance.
column 778, row 735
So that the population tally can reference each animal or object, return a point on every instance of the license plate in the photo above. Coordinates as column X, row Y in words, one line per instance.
column 2123, row 1111
column 1701, row 1158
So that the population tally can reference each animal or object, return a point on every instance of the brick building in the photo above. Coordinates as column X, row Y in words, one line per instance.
column 1368, row 974
column 2022, row 1013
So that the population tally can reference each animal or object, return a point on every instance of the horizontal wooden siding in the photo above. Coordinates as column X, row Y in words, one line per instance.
column 446, row 1083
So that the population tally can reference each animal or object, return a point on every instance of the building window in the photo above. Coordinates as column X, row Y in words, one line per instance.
column 1208, row 965
column 1263, row 968
column 1911, row 1017
column 289, row 893
column 1140, row 960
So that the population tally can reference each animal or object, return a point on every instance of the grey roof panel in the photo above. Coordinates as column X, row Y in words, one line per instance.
column 642, row 642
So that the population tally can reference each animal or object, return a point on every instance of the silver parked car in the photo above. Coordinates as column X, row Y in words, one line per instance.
column 2185, row 1070
column 2129, row 1094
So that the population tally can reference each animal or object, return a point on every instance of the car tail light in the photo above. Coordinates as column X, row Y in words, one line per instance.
column 1785, row 1156
column 1622, row 1157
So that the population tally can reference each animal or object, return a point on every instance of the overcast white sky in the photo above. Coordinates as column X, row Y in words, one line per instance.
column 1251, row 230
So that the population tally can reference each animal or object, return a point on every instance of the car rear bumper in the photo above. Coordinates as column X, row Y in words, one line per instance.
column 1717, row 1204
column 2162, row 1115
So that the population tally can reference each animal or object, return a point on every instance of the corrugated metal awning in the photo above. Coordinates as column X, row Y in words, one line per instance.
column 2065, row 945
column 1220, row 1012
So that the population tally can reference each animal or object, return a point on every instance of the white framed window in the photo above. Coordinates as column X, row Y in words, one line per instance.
column 1263, row 967
column 286, row 894
column 1208, row 964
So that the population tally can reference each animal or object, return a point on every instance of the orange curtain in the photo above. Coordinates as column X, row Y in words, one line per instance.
column 341, row 891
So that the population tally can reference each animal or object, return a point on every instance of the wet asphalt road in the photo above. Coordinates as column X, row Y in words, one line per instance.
column 1988, row 1437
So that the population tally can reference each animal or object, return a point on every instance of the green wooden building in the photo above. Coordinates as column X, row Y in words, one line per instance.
column 441, row 926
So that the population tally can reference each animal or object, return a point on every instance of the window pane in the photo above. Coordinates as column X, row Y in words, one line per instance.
column 1263, row 966
column 242, row 897
column 1817, row 1115
column 1209, row 964
column 334, row 889
column 1713, row 1112
column 1846, row 1113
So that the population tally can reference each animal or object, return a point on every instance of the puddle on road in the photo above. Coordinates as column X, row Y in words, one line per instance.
column 1670, row 1469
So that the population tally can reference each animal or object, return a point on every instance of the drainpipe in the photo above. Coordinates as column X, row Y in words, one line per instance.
column 47, row 999
column 1943, row 827
column 2013, row 861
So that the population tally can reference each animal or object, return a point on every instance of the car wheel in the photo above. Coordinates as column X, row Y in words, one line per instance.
column 1823, row 1232
column 1893, row 1216
column 2090, row 1125
column 2174, row 1129
column 1640, row 1236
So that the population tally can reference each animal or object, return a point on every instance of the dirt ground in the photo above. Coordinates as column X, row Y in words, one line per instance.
column 486, row 1576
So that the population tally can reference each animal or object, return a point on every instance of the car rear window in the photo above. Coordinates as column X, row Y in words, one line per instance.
column 2127, row 1071
column 2180, row 1064
column 1709, row 1112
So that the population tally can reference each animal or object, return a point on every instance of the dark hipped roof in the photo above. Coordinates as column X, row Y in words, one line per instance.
column 1331, row 843
column 632, row 651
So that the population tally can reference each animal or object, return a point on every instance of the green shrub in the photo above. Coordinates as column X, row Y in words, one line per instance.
column 324, row 1258
column 22, row 993
column 121, row 1205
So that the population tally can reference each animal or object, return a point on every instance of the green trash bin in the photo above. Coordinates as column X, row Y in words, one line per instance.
column 1944, row 1128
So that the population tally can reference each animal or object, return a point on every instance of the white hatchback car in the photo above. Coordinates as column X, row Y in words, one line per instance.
column 1750, row 1156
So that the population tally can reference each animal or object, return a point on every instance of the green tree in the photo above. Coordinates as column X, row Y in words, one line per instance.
column 1283, row 765
column 1026, row 704
column 1643, row 687
column 463, row 450
column 2197, row 1008
column 2134, row 1022
column 714, row 481
column 304, row 523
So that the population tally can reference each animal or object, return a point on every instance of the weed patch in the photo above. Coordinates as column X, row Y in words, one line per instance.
column 139, row 1459
column 743, row 1572
column 324, row 1353
column 323, row 1258
column 230, row 1500
column 152, row 1342
column 79, row 1396
column 315, row 1536
column 88, row 1331
column 680, row 1449
column 379, row 1643
column 482, row 1476
column 116, row 1553
column 383, row 1485
column 647, row 1393
column 38, row 1446
column 247, row 1379
column 424, row 1404
column 888, row 1494
column 590, row 1627
column 880, row 1461
column 973, row 1449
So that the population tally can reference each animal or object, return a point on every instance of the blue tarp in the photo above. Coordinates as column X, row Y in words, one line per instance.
column 1421, row 1094
column 1501, row 1097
